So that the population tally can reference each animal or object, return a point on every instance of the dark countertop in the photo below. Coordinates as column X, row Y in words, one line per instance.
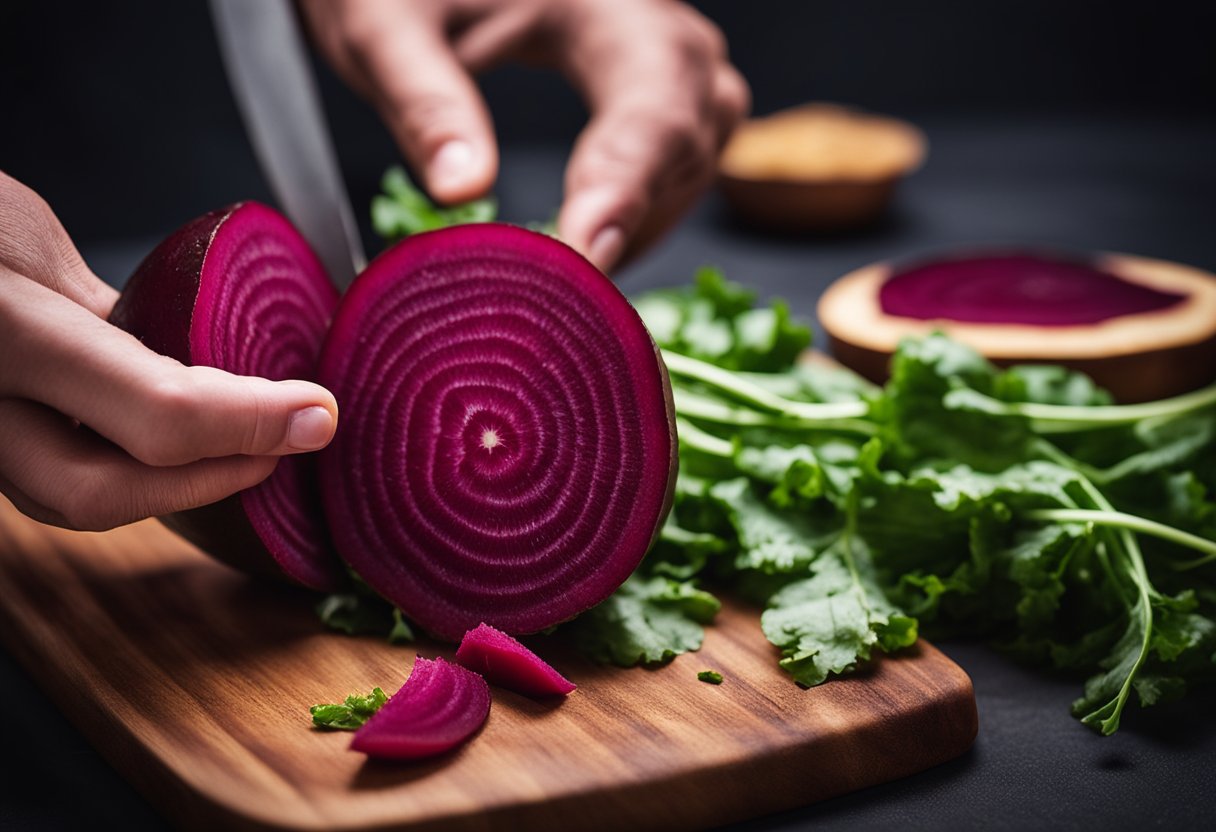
column 1137, row 185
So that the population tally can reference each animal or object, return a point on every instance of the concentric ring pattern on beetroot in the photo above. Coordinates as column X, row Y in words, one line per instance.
column 239, row 289
column 439, row 707
column 506, row 452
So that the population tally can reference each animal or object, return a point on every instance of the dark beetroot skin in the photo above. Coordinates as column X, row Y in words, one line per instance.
column 439, row 707
column 507, row 446
column 239, row 289
column 505, row 662
column 1017, row 289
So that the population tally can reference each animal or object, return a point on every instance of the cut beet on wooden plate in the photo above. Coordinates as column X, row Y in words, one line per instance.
column 239, row 289
column 505, row 662
column 439, row 707
column 1144, row 329
column 507, row 448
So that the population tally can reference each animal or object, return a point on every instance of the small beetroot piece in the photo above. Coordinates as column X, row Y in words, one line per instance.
column 507, row 447
column 439, row 707
column 505, row 662
column 239, row 289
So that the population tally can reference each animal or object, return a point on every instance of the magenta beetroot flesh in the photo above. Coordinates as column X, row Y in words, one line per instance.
column 1017, row 289
column 439, row 707
column 507, row 446
column 505, row 662
column 239, row 289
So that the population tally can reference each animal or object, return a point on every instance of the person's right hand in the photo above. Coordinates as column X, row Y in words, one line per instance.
column 164, row 436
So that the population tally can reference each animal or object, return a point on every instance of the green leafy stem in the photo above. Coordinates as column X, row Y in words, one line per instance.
column 1054, row 418
column 764, row 408
column 1132, row 522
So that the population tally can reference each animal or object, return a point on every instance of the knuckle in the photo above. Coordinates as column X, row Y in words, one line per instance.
column 427, row 117
column 171, row 419
column 261, row 430
column 360, row 27
column 732, row 96
column 684, row 140
column 696, row 39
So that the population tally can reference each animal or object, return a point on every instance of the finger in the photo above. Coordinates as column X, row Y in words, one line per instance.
column 623, row 161
column 653, row 132
column 425, row 96
column 517, row 31
column 732, row 101
column 159, row 411
column 31, row 508
column 35, row 244
column 62, row 475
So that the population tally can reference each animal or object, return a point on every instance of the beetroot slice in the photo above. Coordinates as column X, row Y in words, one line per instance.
column 507, row 448
column 239, row 289
column 439, row 707
column 505, row 662
column 1017, row 289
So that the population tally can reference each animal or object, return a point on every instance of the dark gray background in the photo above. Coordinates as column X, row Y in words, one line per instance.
column 1083, row 125
column 119, row 114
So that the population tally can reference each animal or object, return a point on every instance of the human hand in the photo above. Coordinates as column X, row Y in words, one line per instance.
column 160, row 436
column 662, row 94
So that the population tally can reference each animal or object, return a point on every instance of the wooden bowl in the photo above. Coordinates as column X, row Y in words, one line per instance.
column 1139, row 356
column 818, row 167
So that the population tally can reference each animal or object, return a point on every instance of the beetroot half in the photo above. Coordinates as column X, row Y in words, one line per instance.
column 239, row 289
column 505, row 662
column 439, row 707
column 507, row 448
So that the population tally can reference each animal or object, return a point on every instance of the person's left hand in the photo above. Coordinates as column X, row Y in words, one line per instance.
column 663, row 98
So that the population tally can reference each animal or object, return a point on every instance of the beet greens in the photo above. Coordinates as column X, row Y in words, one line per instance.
column 1018, row 504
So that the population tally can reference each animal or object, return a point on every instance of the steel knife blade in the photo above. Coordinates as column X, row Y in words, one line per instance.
column 276, row 93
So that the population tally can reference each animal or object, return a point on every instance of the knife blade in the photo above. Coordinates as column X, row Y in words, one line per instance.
column 276, row 93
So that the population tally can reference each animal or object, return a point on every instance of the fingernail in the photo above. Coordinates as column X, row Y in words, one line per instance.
column 449, row 169
column 606, row 247
column 310, row 429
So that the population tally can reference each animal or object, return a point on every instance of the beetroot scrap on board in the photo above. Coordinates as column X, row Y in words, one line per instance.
column 440, row 706
column 507, row 449
column 239, row 289
column 505, row 662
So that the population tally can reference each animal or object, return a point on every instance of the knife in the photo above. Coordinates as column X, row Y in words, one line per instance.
column 276, row 93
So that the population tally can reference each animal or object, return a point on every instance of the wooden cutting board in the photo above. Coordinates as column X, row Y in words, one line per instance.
column 195, row 683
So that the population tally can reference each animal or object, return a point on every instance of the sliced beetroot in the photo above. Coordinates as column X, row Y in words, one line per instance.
column 1017, row 289
column 505, row 662
column 507, row 446
column 239, row 289
column 439, row 707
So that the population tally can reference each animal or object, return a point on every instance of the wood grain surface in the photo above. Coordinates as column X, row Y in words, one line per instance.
column 195, row 683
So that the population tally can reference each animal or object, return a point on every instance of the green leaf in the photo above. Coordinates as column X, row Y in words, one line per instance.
column 680, row 553
column 363, row 612
column 715, row 320
column 351, row 714
column 826, row 624
column 711, row 677
column 936, row 404
column 646, row 621
column 771, row 541
column 1048, row 384
column 403, row 209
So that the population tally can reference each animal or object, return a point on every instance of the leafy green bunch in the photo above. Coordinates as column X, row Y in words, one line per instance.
column 1019, row 504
